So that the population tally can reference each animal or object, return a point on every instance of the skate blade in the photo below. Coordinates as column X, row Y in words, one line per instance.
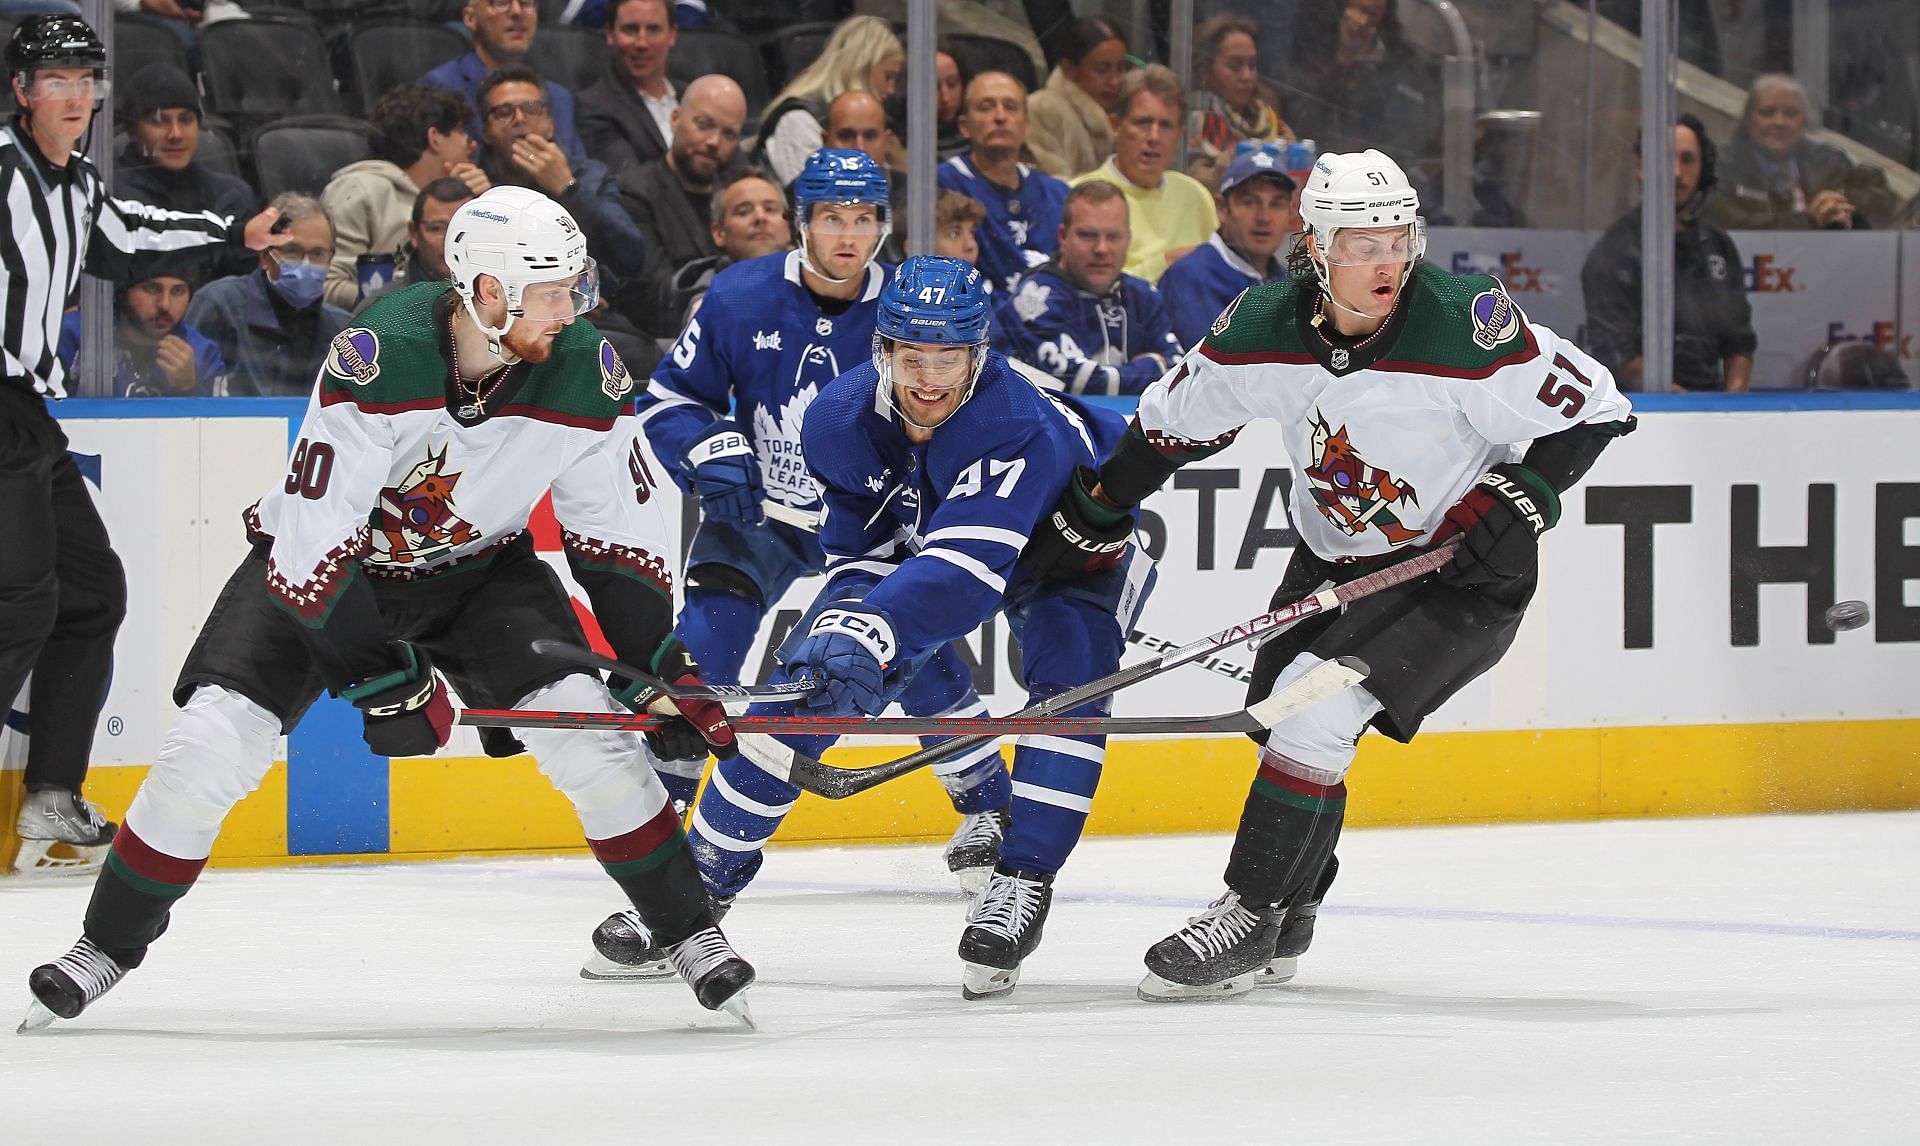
column 58, row 857
column 1279, row 972
column 1154, row 989
column 737, row 1007
column 38, row 1019
column 979, row 981
column 602, row 969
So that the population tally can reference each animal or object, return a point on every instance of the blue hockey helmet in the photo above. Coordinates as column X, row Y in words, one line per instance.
column 839, row 175
column 931, row 301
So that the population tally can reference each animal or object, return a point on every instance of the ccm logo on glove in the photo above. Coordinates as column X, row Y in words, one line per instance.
column 873, row 633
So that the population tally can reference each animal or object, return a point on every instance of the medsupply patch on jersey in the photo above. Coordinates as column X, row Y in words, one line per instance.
column 759, row 351
column 1111, row 343
column 1387, row 432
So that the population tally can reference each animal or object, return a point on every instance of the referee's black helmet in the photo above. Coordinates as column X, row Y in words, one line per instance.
column 54, row 42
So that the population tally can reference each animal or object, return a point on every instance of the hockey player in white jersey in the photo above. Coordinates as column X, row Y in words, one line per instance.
column 1404, row 393
column 396, row 550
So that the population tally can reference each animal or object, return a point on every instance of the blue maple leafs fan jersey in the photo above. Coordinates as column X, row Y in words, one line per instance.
column 1022, row 227
column 1119, row 342
column 760, row 345
column 943, row 523
column 1200, row 284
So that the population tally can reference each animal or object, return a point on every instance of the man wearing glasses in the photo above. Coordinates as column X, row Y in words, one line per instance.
column 271, row 325
column 503, row 32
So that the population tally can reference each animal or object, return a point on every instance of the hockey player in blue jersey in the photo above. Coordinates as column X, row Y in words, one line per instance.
column 1257, row 217
column 1081, row 318
column 723, row 412
column 935, row 461
column 1023, row 203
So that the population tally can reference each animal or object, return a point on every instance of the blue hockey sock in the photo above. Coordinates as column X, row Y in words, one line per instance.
column 718, row 628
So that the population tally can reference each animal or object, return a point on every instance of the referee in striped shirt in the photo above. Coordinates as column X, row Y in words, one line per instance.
column 62, row 590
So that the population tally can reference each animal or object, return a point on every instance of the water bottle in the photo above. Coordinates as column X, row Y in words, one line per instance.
column 375, row 271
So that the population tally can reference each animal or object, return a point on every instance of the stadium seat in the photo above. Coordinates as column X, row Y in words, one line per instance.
column 705, row 51
column 385, row 56
column 977, row 54
column 219, row 147
column 572, row 56
column 261, row 69
column 790, row 50
column 140, row 40
column 302, row 152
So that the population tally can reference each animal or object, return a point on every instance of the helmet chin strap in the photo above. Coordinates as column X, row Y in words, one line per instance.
column 493, row 334
column 1325, row 270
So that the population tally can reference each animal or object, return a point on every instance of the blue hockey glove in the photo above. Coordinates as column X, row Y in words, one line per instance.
column 721, row 469
column 849, row 654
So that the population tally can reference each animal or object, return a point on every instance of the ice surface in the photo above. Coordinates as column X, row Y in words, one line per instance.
column 1735, row 980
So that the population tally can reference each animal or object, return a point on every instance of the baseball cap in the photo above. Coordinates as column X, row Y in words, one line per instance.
column 1256, row 161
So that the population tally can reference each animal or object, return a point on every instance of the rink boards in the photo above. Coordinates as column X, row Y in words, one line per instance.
column 1673, row 662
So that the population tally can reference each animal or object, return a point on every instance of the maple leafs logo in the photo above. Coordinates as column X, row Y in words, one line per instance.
column 777, row 442
column 1030, row 301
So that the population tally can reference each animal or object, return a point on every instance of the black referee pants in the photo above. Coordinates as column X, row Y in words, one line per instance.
column 63, row 592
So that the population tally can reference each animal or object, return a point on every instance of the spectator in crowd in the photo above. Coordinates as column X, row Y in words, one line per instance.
column 670, row 198
column 273, row 325
column 1072, row 132
column 417, row 135
column 1172, row 211
column 1356, row 82
column 1713, row 339
column 626, row 119
column 160, row 111
column 949, row 91
column 1257, row 216
column 518, row 149
column 955, row 216
column 750, row 219
column 155, row 353
column 1226, row 55
column 1022, row 226
column 423, row 257
column 863, row 54
column 858, row 122
column 1779, row 180
column 503, row 32
column 1082, row 318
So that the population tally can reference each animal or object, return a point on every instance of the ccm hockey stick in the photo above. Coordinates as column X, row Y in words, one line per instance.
column 1331, row 677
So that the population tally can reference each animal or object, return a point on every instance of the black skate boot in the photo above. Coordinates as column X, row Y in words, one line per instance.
column 64, row 987
column 623, row 948
column 718, row 976
column 1296, row 931
column 1003, row 928
column 975, row 848
column 1220, row 954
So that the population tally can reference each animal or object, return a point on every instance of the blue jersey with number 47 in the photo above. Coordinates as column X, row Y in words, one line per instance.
column 937, row 529
column 761, row 344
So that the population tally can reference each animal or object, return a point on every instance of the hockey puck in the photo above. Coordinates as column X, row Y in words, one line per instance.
column 1845, row 615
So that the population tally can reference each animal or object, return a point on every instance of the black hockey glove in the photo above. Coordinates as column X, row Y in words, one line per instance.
column 405, row 712
column 699, row 729
column 1499, row 521
column 1080, row 536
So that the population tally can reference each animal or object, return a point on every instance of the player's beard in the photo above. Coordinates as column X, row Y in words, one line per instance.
column 527, row 341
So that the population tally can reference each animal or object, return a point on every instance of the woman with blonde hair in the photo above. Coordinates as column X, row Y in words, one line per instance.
column 863, row 55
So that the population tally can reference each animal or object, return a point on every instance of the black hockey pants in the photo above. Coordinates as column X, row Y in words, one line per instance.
column 63, row 593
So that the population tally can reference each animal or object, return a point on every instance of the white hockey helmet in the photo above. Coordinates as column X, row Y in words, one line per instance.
column 1360, row 189
column 519, row 237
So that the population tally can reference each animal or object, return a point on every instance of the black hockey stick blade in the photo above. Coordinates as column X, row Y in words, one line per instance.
column 1326, row 679
column 586, row 658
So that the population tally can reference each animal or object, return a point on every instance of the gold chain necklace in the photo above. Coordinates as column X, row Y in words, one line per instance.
column 476, row 406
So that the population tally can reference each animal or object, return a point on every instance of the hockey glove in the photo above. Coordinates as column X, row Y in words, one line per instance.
column 405, row 712
column 697, row 728
column 1080, row 536
column 848, row 654
column 1500, row 521
column 721, row 468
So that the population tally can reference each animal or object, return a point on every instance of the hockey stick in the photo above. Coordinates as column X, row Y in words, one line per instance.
column 787, row 515
column 586, row 658
column 1334, row 675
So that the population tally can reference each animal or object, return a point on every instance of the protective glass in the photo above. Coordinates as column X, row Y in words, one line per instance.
column 931, row 369
column 831, row 226
column 1371, row 248
column 93, row 88
column 561, row 299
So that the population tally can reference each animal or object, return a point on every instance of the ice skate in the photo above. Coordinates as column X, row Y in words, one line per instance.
column 1222, row 953
column 975, row 848
column 61, row 833
column 623, row 948
column 65, row 987
column 1003, row 928
column 718, row 976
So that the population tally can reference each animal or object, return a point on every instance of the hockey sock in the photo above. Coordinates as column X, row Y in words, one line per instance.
column 680, row 789
column 740, row 810
column 132, row 896
column 981, row 784
column 975, row 781
column 1287, row 830
column 654, row 866
column 1053, row 781
column 719, row 627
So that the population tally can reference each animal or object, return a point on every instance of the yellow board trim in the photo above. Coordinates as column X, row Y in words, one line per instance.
column 480, row 806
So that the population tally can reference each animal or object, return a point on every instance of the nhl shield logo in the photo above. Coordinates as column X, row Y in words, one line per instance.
column 615, row 382
column 354, row 356
column 1339, row 358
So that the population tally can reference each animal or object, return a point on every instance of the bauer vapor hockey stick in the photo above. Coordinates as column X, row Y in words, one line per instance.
column 1342, row 672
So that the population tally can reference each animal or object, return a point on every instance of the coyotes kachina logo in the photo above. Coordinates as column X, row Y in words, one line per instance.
column 1352, row 494
column 416, row 520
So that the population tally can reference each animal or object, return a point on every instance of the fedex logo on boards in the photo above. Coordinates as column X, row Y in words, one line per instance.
column 1885, row 335
column 1766, row 275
